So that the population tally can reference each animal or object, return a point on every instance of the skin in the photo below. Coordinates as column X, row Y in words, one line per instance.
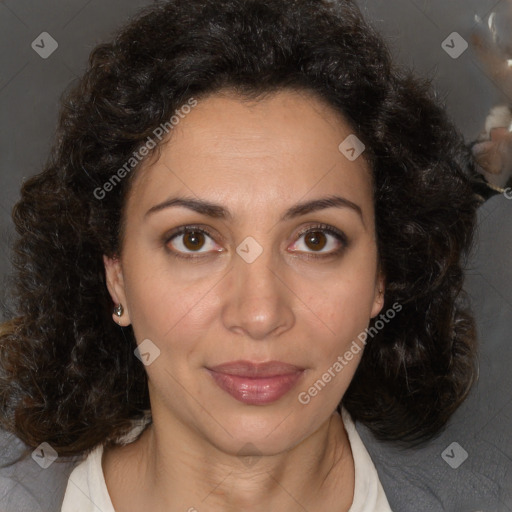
column 256, row 159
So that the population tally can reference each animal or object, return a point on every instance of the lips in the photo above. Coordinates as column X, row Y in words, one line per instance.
column 256, row 383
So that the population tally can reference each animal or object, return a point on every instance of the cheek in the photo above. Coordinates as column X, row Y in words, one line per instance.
column 342, row 309
column 342, row 319
column 170, row 309
column 343, row 314
column 343, row 300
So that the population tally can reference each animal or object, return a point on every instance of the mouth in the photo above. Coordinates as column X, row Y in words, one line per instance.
column 256, row 383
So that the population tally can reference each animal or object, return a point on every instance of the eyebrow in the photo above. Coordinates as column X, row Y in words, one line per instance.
column 217, row 211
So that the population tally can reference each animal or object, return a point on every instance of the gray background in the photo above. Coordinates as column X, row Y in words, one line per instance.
column 418, row 480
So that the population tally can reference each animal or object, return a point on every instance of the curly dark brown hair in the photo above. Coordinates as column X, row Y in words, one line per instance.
column 68, row 374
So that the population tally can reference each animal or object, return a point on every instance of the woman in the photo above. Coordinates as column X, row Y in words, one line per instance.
column 249, row 235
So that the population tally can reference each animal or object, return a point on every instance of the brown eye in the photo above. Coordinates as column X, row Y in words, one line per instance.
column 193, row 240
column 315, row 240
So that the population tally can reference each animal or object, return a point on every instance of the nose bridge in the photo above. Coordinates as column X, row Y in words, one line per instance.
column 254, row 267
column 258, row 303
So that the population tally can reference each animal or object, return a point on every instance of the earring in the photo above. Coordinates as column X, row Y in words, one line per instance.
column 119, row 310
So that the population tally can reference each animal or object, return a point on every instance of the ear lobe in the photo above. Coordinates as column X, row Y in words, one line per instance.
column 379, row 299
column 115, row 286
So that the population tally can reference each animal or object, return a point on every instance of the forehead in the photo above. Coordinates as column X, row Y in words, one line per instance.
column 275, row 150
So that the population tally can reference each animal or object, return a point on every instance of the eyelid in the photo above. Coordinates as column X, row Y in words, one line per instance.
column 188, row 228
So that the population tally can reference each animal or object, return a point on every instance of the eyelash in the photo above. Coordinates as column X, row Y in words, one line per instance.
column 339, row 235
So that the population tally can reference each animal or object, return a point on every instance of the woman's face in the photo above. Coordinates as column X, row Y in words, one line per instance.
column 245, row 284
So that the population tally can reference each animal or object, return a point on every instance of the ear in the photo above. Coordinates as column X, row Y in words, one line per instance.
column 378, row 301
column 115, row 285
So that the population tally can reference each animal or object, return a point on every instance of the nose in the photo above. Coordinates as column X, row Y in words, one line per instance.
column 257, row 302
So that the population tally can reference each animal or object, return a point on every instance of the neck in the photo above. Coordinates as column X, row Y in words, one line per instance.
column 175, row 470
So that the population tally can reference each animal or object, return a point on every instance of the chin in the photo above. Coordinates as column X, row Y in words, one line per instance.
column 258, row 432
